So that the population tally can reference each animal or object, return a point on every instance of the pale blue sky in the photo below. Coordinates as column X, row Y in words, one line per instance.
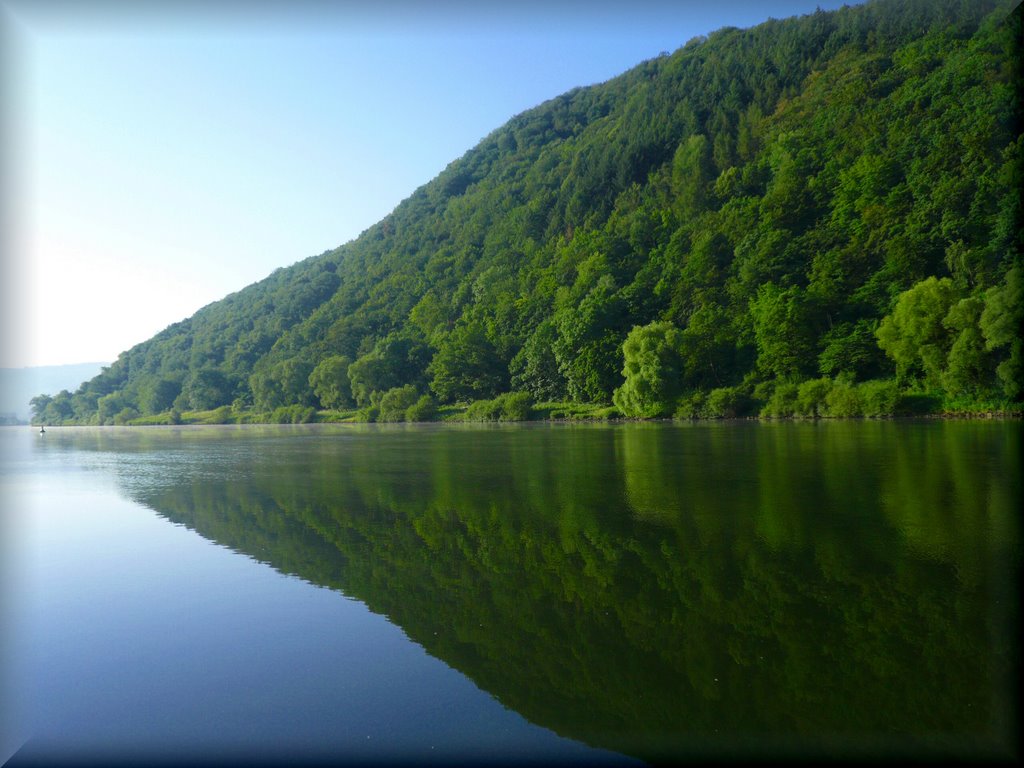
column 159, row 156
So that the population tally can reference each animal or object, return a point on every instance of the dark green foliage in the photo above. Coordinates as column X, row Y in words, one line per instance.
column 393, row 361
column 727, row 403
column 783, row 331
column 206, row 388
column 331, row 384
column 467, row 366
column 779, row 194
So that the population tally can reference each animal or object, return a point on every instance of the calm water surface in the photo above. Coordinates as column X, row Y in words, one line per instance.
column 562, row 593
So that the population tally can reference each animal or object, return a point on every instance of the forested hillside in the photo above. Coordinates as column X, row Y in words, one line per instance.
column 817, row 215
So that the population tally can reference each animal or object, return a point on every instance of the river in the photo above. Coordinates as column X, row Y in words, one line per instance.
column 593, row 593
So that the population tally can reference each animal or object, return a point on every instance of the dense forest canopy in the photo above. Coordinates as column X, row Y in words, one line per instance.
column 818, row 215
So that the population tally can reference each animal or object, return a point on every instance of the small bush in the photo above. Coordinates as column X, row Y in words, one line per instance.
column 878, row 398
column 783, row 401
column 514, row 406
column 290, row 414
column 483, row 410
column 222, row 415
column 395, row 402
column 726, row 403
column 424, row 409
column 811, row 395
column 690, row 406
column 843, row 400
column 608, row 412
column 125, row 415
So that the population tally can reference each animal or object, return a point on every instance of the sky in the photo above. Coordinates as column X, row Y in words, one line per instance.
column 155, row 157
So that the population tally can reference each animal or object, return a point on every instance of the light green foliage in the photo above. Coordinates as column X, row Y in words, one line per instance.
column 125, row 415
column 285, row 414
column 509, row 406
column 515, row 406
column 396, row 402
column 483, row 410
column 652, row 371
column 783, row 400
column 968, row 367
column 109, row 406
column 811, row 397
column 843, row 399
column 1002, row 323
column 914, row 335
column 692, row 171
column 53, row 410
column 878, row 397
column 691, row 406
column 331, row 383
column 424, row 409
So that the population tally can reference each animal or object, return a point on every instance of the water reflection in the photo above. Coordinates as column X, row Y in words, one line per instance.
column 659, row 590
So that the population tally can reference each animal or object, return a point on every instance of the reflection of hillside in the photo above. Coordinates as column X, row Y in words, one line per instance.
column 643, row 589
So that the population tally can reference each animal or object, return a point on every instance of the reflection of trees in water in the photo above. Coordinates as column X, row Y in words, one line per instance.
column 623, row 584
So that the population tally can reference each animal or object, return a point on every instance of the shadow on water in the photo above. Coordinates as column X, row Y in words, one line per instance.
column 663, row 591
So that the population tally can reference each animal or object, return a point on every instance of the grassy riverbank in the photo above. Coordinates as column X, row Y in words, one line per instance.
column 516, row 408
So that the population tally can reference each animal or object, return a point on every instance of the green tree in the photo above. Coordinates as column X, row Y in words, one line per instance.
column 157, row 395
column 282, row 384
column 110, row 405
column 783, row 331
column 330, row 382
column 208, row 388
column 1002, row 324
column 39, row 405
column 589, row 340
column 692, row 172
column 914, row 335
column 968, row 367
column 467, row 366
column 535, row 369
column 395, row 360
column 652, row 371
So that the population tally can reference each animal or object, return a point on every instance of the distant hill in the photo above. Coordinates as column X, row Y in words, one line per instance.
column 19, row 385
column 814, row 215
